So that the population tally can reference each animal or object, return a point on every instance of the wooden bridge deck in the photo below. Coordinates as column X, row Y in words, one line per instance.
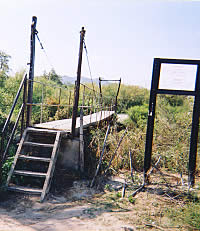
column 66, row 124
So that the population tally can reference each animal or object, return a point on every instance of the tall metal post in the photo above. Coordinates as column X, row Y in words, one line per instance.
column 151, row 117
column 117, row 95
column 194, row 132
column 82, row 135
column 100, row 87
column 101, row 98
column 31, row 71
column 77, row 87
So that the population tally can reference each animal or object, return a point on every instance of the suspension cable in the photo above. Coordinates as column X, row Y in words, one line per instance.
column 86, row 52
column 42, row 47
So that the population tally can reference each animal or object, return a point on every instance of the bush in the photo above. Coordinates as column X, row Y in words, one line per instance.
column 139, row 115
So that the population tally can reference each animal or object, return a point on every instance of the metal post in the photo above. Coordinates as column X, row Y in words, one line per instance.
column 194, row 131
column 59, row 100
column 91, row 108
column 76, row 98
column 24, row 108
column 151, row 116
column 68, row 112
column 31, row 70
column 41, row 113
column 81, row 135
column 100, row 90
column 117, row 95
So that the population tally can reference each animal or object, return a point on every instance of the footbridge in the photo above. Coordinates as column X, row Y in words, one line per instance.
column 50, row 125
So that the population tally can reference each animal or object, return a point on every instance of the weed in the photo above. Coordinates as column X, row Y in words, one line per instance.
column 118, row 194
column 188, row 215
column 107, row 187
column 6, row 167
column 131, row 199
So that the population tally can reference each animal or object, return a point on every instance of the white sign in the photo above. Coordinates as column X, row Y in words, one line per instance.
column 177, row 77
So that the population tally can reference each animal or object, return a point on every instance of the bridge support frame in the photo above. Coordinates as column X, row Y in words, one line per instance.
column 111, row 80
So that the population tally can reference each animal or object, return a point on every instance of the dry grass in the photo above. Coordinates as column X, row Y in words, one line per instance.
column 158, row 206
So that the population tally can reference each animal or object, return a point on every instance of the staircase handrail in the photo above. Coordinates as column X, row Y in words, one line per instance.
column 14, row 102
column 3, row 132
column 13, row 132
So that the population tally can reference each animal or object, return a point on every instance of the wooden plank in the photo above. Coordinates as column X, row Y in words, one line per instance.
column 39, row 130
column 38, row 144
column 29, row 173
column 34, row 158
column 24, row 189
column 65, row 124
column 16, row 157
column 51, row 168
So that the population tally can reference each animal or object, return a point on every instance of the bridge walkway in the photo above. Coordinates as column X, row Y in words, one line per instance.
column 66, row 124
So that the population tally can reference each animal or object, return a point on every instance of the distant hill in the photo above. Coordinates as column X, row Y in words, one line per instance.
column 71, row 80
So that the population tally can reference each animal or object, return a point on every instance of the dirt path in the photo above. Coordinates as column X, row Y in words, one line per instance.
column 77, row 210
column 59, row 216
column 82, row 208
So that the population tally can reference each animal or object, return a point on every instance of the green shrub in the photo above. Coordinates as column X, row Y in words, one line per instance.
column 131, row 199
column 139, row 115
column 6, row 168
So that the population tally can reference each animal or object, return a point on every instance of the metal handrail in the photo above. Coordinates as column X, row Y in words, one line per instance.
column 50, row 85
column 13, row 132
column 14, row 103
column 95, row 96
column 3, row 132
column 99, row 94
column 66, row 105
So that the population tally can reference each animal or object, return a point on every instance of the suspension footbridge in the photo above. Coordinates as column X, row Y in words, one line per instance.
column 47, row 115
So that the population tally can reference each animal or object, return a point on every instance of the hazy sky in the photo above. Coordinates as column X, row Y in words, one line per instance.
column 122, row 36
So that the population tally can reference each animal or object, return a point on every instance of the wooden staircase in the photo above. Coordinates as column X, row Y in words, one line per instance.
column 35, row 160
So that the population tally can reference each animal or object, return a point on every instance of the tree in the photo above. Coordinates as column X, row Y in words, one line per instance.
column 53, row 76
column 4, row 67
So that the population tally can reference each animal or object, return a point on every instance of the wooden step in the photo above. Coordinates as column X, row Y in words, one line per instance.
column 52, row 161
column 25, row 157
column 29, row 173
column 40, row 130
column 38, row 144
column 23, row 189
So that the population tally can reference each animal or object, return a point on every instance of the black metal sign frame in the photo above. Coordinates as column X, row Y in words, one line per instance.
column 152, row 107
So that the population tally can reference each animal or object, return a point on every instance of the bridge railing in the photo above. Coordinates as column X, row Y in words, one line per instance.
column 52, row 102
column 93, row 101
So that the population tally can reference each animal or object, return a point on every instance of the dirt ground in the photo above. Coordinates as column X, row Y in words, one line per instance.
column 79, row 207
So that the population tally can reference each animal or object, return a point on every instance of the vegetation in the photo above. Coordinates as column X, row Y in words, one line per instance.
column 171, row 133
column 188, row 214
column 4, row 67
column 172, row 125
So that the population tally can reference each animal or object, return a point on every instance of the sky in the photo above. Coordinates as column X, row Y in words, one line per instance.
column 122, row 36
